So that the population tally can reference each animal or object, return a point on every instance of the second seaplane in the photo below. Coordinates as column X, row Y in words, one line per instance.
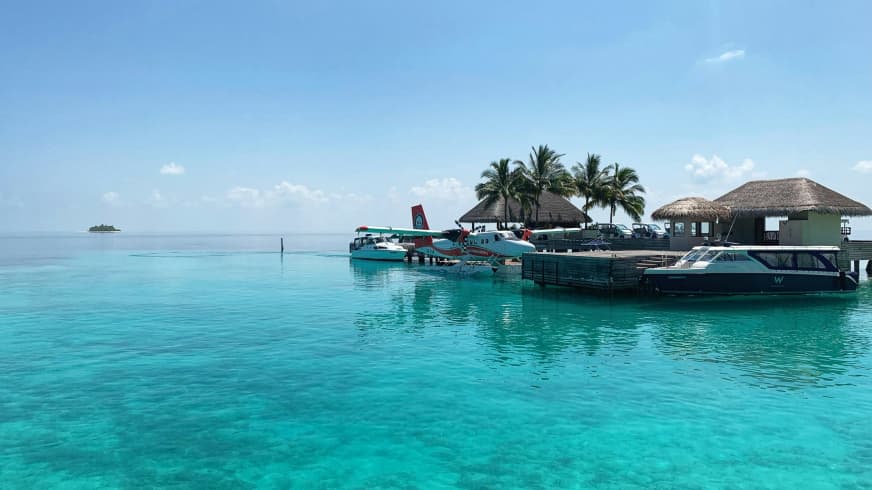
column 468, row 250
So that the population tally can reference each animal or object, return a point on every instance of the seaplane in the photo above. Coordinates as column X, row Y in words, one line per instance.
column 468, row 250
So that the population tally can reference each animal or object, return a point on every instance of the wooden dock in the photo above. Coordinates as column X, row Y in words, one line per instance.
column 615, row 270
column 857, row 250
column 565, row 245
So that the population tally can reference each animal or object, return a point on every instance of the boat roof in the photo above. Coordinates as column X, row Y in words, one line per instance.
column 772, row 248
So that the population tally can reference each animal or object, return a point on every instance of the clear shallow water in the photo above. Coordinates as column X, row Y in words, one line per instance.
column 211, row 362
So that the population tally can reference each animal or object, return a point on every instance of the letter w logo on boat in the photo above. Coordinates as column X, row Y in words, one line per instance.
column 778, row 279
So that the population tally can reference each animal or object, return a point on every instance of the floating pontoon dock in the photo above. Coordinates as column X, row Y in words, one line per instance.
column 615, row 270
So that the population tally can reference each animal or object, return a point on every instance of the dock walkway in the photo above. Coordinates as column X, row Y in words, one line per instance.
column 615, row 270
column 858, row 250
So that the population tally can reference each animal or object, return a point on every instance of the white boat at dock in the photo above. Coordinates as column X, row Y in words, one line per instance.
column 752, row 269
column 369, row 247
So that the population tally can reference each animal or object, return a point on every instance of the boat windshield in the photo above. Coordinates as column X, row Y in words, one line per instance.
column 708, row 256
column 694, row 255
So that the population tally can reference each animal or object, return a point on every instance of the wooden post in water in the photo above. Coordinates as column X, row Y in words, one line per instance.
column 282, row 244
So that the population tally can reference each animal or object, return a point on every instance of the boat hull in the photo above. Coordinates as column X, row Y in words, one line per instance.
column 688, row 283
column 384, row 255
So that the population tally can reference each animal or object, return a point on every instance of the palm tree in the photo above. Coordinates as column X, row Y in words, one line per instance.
column 590, row 182
column 544, row 173
column 525, row 195
column 622, row 190
column 501, row 182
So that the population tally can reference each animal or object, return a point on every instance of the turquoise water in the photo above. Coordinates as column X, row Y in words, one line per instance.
column 213, row 362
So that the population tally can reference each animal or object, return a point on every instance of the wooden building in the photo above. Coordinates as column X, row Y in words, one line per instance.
column 813, row 212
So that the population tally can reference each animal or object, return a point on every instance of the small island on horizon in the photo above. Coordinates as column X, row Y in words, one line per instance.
column 101, row 228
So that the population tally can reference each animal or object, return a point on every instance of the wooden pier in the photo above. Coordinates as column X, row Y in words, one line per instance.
column 614, row 270
column 565, row 245
column 857, row 250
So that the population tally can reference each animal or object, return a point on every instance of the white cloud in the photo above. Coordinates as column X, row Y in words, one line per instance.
column 716, row 170
column 446, row 189
column 803, row 173
column 735, row 54
column 157, row 200
column 246, row 197
column 863, row 166
column 172, row 169
column 110, row 197
column 286, row 193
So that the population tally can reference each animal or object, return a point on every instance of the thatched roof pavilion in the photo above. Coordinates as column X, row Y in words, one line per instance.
column 553, row 209
column 786, row 197
column 692, row 209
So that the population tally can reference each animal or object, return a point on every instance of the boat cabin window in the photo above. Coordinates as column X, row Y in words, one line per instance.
column 831, row 258
column 776, row 260
column 708, row 256
column 732, row 257
column 693, row 255
column 812, row 262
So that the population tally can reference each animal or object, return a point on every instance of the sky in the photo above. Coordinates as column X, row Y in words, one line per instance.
column 322, row 116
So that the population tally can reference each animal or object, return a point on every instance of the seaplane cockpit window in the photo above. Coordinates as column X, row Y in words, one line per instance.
column 496, row 237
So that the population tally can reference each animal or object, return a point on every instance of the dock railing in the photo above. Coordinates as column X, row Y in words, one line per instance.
column 565, row 245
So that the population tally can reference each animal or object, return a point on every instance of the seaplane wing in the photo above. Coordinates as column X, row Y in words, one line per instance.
column 400, row 231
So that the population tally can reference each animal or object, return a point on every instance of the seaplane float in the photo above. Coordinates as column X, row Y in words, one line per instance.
column 461, row 250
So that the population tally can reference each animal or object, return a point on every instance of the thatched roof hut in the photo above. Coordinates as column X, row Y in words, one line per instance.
column 786, row 197
column 553, row 209
column 692, row 209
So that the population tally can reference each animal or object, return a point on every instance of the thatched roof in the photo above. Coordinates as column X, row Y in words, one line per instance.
column 785, row 197
column 692, row 208
column 553, row 209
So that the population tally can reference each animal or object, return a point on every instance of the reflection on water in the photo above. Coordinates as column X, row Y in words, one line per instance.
column 373, row 273
column 776, row 342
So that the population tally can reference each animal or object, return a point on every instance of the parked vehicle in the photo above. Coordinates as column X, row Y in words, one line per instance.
column 611, row 231
column 646, row 230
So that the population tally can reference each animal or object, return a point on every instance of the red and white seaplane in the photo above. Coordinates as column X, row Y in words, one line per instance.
column 468, row 248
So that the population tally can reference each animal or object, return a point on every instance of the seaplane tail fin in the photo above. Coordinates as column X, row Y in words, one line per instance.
column 419, row 219
column 419, row 222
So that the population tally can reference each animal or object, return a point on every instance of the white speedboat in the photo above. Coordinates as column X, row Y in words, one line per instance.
column 370, row 247
column 752, row 269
